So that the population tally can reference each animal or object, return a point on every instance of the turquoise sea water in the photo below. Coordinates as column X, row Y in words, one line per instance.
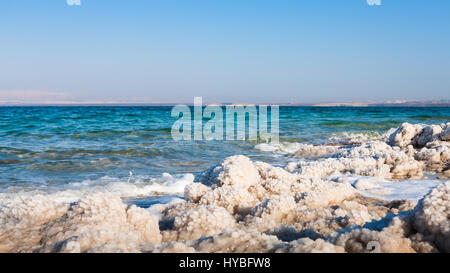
column 52, row 146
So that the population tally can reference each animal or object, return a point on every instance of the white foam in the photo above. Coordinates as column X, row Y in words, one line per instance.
column 167, row 184
column 283, row 148
column 299, row 149
column 353, row 136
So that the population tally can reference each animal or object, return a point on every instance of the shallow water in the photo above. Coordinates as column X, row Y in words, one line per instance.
column 60, row 148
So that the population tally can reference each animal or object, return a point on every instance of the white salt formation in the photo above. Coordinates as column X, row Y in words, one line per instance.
column 408, row 152
column 312, row 205
column 432, row 216
column 96, row 224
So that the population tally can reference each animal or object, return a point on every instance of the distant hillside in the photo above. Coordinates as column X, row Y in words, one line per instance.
column 439, row 103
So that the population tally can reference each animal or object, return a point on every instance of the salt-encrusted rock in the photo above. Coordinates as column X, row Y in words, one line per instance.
column 237, row 241
column 307, row 245
column 428, row 134
column 445, row 135
column 326, row 193
column 99, row 223
column 374, row 158
column 356, row 214
column 231, row 241
column 168, row 247
column 405, row 134
column 21, row 219
column 437, row 154
column 325, row 167
column 269, row 172
column 193, row 192
column 200, row 221
column 278, row 209
column 234, row 200
column 432, row 216
column 237, row 171
column 390, row 239
column 95, row 223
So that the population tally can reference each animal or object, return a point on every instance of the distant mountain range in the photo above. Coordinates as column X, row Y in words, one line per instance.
column 438, row 103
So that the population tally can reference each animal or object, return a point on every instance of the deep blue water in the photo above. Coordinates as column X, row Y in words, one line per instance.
column 57, row 145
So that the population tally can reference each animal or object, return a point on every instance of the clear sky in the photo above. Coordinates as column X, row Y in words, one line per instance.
column 224, row 50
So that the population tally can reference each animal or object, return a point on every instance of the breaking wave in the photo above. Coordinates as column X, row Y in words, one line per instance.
column 133, row 187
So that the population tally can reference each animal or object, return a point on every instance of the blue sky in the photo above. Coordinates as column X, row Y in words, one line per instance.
column 224, row 50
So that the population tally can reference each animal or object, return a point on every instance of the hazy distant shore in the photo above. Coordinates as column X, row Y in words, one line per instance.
column 439, row 103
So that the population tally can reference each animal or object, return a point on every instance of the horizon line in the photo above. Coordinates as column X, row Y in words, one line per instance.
column 429, row 103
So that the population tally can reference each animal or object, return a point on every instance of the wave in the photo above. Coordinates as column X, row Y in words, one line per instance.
column 345, row 137
column 133, row 187
column 283, row 148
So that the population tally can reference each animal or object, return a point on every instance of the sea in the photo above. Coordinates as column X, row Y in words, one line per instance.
column 130, row 151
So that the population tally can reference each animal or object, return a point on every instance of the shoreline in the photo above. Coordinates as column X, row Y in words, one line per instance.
column 242, row 205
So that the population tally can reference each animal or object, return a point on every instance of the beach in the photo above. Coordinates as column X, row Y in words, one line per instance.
column 111, row 179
